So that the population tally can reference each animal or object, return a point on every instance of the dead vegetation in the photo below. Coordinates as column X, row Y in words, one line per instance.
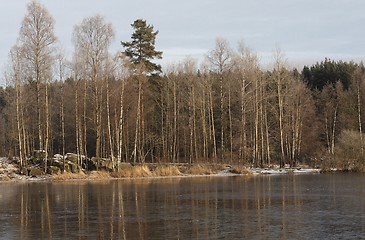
column 69, row 176
column 240, row 170
column 132, row 172
column 165, row 171
column 199, row 169
column 147, row 170
column 99, row 175
column 4, row 178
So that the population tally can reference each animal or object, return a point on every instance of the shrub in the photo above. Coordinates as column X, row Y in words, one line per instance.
column 167, row 171
column 350, row 152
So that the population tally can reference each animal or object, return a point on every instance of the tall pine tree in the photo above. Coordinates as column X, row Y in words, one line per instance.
column 141, row 49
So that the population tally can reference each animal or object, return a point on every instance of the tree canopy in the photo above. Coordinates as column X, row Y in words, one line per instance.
column 329, row 72
column 141, row 49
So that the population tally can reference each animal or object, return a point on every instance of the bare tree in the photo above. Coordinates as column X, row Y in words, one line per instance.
column 279, row 79
column 61, row 72
column 359, row 79
column 36, row 40
column 189, row 70
column 15, row 76
column 92, row 39
column 220, row 59
column 121, row 74
column 246, row 67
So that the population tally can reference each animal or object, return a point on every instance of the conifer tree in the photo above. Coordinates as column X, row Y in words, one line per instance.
column 141, row 49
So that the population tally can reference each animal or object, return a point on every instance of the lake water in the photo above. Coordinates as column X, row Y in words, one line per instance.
column 313, row 206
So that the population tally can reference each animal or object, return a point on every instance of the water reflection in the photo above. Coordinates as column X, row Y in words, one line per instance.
column 264, row 207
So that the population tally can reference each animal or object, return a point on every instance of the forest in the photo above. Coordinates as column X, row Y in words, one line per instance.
column 123, row 106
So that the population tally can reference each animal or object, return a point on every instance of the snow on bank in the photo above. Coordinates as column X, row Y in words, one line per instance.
column 285, row 171
column 9, row 171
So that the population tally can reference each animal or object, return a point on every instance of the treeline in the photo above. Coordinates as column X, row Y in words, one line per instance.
column 228, row 109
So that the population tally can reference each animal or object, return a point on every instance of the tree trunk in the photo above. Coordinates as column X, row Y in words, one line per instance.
column 222, row 115
column 281, row 127
column 212, row 125
column 334, row 130
column 39, row 123
column 77, row 129
column 84, row 135
column 63, row 123
column 230, row 125
column 138, row 118
column 111, row 145
column 18, row 116
column 47, row 128
column 175, row 135
column 359, row 117
column 120, row 135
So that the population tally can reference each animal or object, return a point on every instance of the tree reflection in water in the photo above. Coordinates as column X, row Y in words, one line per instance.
column 239, row 207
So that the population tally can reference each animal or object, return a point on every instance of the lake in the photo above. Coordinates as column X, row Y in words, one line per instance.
column 310, row 206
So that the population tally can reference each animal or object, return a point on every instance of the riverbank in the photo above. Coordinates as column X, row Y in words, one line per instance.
column 9, row 171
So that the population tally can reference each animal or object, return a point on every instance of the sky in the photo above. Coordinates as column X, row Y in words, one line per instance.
column 306, row 31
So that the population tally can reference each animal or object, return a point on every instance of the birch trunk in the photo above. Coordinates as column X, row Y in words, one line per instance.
column 138, row 117
column 18, row 113
column 359, row 117
column 111, row 148
column 120, row 135
column 47, row 127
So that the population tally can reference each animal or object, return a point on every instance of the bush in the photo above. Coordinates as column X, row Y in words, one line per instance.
column 132, row 171
column 167, row 171
column 199, row 169
column 350, row 151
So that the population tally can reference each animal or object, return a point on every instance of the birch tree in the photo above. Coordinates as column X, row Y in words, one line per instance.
column 246, row 68
column 220, row 58
column 92, row 39
column 358, row 82
column 279, row 79
column 16, row 76
column 36, row 39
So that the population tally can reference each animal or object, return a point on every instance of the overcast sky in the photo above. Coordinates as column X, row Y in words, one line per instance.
column 305, row 30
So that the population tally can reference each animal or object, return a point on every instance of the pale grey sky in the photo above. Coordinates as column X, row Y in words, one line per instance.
column 305, row 30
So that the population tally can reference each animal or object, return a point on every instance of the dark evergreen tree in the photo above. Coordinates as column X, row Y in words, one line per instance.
column 329, row 72
column 141, row 49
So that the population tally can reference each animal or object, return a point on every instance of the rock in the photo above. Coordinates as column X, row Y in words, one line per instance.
column 58, row 163
column 124, row 165
column 67, row 168
column 35, row 171
column 72, row 157
column 38, row 156
column 73, row 167
column 106, row 164
column 53, row 170
column 58, row 157
column 24, row 171
column 92, row 164
column 4, row 178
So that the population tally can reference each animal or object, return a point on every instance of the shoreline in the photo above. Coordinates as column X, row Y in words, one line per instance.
column 9, row 172
column 12, row 176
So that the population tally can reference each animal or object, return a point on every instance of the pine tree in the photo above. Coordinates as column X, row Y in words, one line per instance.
column 142, row 47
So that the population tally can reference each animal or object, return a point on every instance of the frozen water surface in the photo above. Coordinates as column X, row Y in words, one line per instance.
column 305, row 206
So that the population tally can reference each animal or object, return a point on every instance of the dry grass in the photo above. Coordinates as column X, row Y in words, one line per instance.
column 132, row 172
column 167, row 171
column 140, row 171
column 199, row 169
column 99, row 175
column 218, row 167
column 69, row 176
column 4, row 178
column 240, row 170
